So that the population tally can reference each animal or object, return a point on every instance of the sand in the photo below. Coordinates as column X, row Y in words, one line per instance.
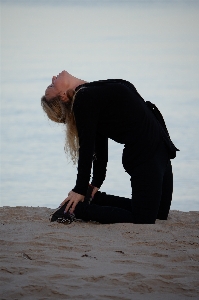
column 43, row 260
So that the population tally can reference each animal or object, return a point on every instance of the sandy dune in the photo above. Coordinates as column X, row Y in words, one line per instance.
column 43, row 260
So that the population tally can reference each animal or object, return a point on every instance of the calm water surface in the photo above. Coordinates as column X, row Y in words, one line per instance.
column 152, row 44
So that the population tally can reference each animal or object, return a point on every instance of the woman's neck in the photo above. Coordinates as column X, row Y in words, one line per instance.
column 79, row 82
column 74, row 82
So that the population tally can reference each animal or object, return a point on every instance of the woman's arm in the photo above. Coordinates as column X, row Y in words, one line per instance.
column 86, row 113
column 86, row 110
column 100, row 160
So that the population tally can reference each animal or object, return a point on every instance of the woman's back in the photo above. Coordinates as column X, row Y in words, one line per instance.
column 116, row 110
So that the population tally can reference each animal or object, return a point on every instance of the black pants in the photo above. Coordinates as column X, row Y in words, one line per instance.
column 152, row 188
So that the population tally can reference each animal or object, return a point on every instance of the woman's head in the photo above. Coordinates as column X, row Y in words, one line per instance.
column 56, row 109
column 55, row 100
column 58, row 87
column 57, row 104
column 59, row 96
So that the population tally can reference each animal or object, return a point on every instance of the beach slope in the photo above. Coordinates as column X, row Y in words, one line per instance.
column 43, row 260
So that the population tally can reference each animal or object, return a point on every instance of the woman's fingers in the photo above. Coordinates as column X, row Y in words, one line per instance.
column 63, row 202
column 73, row 206
column 67, row 199
column 73, row 199
column 68, row 206
column 94, row 191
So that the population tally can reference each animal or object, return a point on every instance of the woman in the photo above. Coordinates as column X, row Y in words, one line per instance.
column 94, row 112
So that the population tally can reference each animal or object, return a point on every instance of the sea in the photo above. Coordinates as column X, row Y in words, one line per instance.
column 153, row 44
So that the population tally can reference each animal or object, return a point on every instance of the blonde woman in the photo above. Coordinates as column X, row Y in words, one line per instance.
column 94, row 112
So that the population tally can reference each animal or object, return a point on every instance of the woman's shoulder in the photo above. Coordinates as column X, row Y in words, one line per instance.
column 104, row 83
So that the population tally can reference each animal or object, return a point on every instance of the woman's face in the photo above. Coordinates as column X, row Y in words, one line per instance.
column 58, row 86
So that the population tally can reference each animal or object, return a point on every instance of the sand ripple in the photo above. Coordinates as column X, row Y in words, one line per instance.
column 43, row 260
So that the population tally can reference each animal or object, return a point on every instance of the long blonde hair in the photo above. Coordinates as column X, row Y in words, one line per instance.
column 62, row 112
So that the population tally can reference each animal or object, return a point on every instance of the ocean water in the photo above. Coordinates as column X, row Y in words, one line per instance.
column 153, row 44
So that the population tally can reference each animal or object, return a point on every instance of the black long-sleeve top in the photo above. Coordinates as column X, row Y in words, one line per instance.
column 111, row 109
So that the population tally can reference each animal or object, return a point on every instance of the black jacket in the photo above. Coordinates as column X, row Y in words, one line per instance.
column 112, row 109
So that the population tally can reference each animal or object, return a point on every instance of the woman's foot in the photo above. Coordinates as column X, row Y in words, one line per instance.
column 61, row 217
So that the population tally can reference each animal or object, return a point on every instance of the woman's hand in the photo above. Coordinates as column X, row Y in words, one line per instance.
column 94, row 191
column 73, row 199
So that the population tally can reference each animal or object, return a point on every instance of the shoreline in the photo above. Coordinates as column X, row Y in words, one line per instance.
column 82, row 260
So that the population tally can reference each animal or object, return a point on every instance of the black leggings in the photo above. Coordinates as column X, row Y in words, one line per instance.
column 152, row 188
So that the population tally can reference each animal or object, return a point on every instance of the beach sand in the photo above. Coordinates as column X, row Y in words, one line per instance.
column 43, row 260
